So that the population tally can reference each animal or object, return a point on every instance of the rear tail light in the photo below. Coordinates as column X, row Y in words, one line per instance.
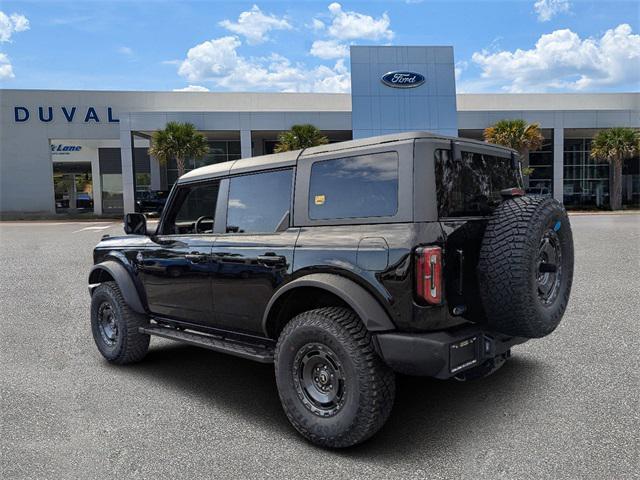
column 429, row 274
column 512, row 192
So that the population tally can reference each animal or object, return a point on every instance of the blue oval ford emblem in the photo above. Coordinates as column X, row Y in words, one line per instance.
column 403, row 79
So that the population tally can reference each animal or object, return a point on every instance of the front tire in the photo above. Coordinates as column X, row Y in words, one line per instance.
column 334, row 388
column 115, row 326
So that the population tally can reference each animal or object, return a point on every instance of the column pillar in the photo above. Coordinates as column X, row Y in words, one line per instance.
column 126, row 156
column 245, row 144
column 96, row 181
column 558, row 164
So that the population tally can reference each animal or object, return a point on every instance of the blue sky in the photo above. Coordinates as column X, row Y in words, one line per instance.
column 507, row 46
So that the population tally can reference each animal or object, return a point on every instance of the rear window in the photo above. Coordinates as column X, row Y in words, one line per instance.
column 472, row 185
column 354, row 187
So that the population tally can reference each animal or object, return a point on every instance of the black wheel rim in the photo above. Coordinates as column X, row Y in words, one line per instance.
column 319, row 379
column 107, row 324
column 549, row 268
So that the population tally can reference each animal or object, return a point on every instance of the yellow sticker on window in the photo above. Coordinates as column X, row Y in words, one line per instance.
column 319, row 199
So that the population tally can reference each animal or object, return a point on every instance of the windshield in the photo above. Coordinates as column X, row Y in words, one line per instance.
column 471, row 186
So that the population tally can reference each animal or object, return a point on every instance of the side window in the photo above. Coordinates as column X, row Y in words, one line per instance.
column 259, row 203
column 360, row 186
column 192, row 210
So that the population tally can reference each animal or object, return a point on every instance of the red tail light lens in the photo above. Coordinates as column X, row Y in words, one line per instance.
column 429, row 274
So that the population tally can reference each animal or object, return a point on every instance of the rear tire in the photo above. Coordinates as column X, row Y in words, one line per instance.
column 334, row 388
column 525, row 270
column 115, row 326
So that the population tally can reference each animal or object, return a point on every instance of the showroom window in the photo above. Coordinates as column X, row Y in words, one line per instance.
column 219, row 151
column 111, row 180
column 541, row 161
column 586, row 181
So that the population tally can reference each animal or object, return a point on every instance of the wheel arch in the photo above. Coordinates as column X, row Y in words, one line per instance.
column 111, row 270
column 319, row 290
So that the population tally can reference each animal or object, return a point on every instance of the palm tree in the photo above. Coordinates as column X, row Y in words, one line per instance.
column 300, row 136
column 178, row 141
column 517, row 134
column 616, row 145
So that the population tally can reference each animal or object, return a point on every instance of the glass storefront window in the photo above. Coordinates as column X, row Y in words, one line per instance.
column 143, row 182
column 586, row 180
column 631, row 183
column 73, row 187
column 541, row 179
column 112, row 201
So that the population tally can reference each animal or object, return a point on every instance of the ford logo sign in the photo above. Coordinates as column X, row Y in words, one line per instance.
column 403, row 79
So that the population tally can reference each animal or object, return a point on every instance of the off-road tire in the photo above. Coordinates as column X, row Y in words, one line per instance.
column 369, row 383
column 129, row 345
column 509, row 266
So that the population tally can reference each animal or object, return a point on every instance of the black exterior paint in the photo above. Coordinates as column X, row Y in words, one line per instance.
column 225, row 281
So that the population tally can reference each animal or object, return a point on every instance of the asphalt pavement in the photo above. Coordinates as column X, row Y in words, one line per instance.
column 566, row 406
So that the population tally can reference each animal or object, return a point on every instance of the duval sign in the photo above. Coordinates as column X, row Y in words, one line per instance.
column 69, row 114
column 402, row 79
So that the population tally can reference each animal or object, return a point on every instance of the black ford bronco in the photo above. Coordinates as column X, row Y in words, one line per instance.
column 342, row 264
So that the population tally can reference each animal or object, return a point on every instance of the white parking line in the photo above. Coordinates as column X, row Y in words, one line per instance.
column 42, row 224
column 102, row 227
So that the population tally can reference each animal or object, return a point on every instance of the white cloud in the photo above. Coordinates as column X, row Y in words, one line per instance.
column 213, row 58
column 561, row 60
column 236, row 203
column 317, row 25
column 218, row 61
column 10, row 24
column 6, row 69
column 254, row 25
column 327, row 49
column 128, row 51
column 347, row 25
column 192, row 88
column 547, row 9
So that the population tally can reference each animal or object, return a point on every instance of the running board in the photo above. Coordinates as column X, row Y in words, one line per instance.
column 258, row 353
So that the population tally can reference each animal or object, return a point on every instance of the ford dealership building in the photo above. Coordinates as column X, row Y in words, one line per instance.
column 86, row 151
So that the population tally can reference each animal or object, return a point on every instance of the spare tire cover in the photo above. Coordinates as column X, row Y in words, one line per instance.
column 525, row 269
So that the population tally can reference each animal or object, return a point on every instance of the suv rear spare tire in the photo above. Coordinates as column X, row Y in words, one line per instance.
column 525, row 269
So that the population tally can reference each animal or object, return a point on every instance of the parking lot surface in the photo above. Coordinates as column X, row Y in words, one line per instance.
column 566, row 406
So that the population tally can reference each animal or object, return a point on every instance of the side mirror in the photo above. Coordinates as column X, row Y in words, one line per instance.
column 135, row 224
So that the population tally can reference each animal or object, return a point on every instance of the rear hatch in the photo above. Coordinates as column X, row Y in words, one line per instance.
column 468, row 191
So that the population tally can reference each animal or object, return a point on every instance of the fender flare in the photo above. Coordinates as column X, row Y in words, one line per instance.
column 374, row 317
column 123, row 278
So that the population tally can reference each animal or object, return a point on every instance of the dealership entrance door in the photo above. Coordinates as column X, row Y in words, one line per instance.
column 73, row 187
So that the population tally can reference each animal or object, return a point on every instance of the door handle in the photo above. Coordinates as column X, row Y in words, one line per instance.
column 195, row 257
column 271, row 258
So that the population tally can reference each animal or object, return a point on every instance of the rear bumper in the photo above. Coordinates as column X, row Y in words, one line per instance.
column 442, row 354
